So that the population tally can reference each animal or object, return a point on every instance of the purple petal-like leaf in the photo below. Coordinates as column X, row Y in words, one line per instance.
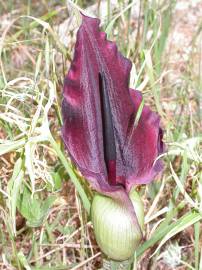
column 143, row 146
column 99, row 113
column 96, row 62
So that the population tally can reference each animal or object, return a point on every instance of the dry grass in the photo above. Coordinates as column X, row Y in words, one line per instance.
column 43, row 223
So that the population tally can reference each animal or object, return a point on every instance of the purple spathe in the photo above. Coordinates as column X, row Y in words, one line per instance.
column 99, row 112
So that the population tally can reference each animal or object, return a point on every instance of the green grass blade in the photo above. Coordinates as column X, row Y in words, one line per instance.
column 169, row 231
column 196, row 244
column 75, row 180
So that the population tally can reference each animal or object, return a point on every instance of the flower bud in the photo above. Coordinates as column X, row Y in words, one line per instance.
column 115, row 230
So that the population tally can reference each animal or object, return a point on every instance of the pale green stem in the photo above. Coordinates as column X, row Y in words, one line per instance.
column 114, row 265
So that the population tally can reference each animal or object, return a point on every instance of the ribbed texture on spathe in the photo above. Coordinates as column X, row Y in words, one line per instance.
column 114, row 227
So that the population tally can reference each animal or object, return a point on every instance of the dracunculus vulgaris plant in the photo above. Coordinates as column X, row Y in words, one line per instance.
column 112, row 150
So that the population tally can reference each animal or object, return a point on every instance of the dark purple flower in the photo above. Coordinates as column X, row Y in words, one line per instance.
column 99, row 112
